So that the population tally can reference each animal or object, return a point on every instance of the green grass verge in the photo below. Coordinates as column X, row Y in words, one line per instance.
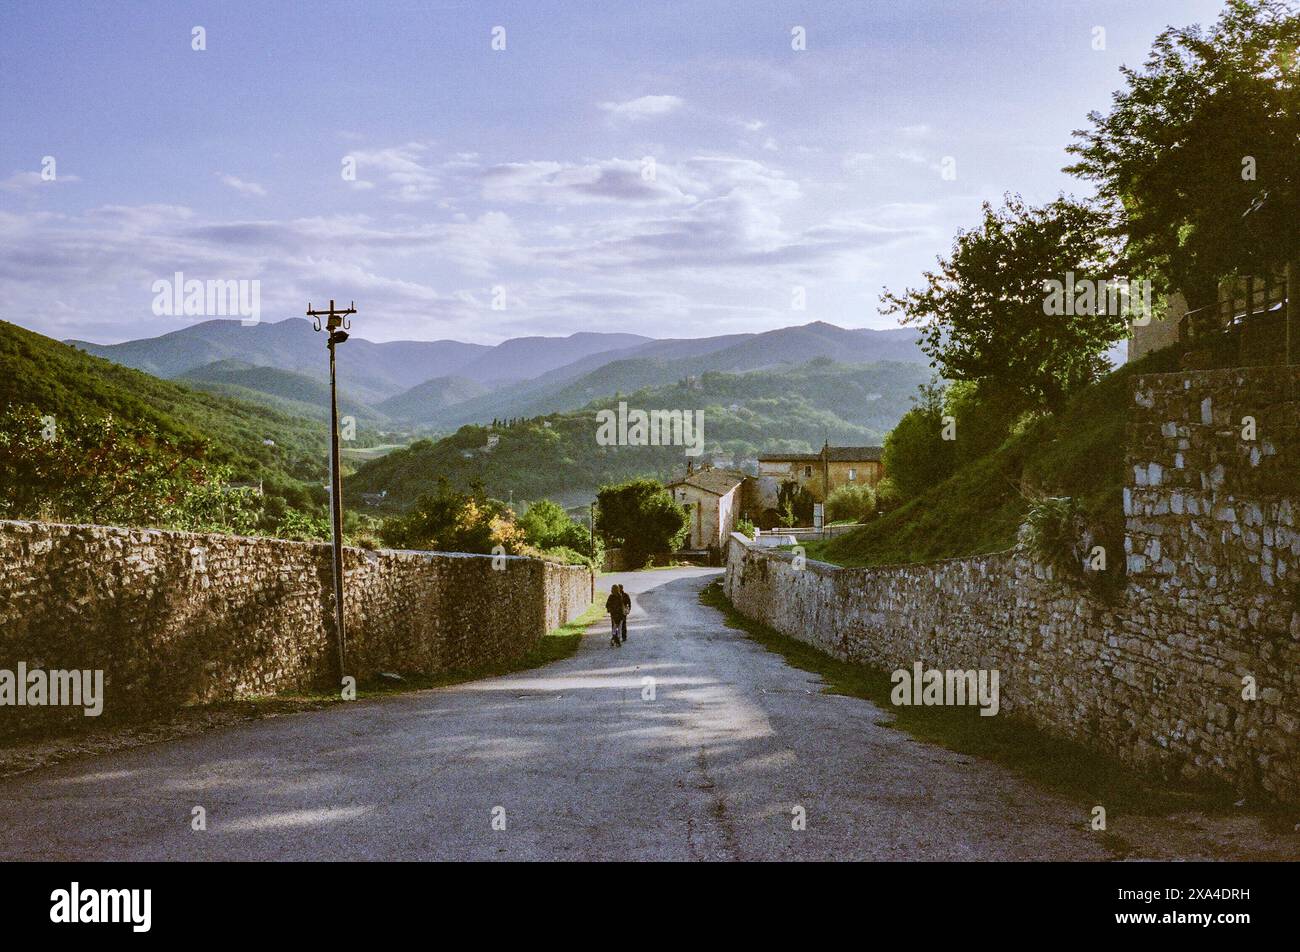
column 1060, row 766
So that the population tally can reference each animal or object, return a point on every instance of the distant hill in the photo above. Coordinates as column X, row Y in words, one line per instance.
column 370, row 372
column 440, row 385
column 523, row 358
column 660, row 363
column 556, row 455
column 279, row 389
column 430, row 399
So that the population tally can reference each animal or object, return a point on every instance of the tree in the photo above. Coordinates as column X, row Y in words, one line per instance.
column 1199, row 156
column 984, row 313
column 642, row 517
column 852, row 502
column 547, row 528
column 452, row 521
column 916, row 456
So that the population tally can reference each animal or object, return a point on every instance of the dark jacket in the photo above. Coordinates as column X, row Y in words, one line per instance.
column 614, row 605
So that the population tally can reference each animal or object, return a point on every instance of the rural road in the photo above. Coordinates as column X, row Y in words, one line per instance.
column 582, row 767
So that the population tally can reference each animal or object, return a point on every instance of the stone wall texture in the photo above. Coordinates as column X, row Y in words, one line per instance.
column 1154, row 676
column 173, row 617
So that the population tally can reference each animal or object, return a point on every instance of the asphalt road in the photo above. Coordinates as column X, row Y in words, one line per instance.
column 576, row 759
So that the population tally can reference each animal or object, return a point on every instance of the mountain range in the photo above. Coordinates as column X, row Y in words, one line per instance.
column 436, row 386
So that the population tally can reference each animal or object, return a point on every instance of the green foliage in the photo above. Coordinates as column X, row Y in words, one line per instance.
column 1170, row 157
column 745, row 527
column 642, row 517
column 982, row 313
column 304, row 527
column 916, row 456
column 102, row 470
column 240, row 442
column 888, row 495
column 852, row 502
column 451, row 521
column 547, row 528
column 1051, row 535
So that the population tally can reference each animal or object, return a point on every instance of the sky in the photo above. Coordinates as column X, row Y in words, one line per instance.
column 666, row 169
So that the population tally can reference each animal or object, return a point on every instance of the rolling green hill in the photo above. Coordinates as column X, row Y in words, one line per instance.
column 256, row 441
column 284, row 390
column 556, row 456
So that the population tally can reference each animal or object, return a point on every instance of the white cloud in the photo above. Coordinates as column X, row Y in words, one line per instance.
column 239, row 185
column 403, row 169
column 712, row 240
column 22, row 181
column 646, row 107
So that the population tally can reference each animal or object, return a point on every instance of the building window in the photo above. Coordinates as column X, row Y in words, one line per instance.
column 853, row 474
column 807, row 471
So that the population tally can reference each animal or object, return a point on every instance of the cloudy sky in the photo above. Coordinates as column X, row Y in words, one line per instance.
column 669, row 169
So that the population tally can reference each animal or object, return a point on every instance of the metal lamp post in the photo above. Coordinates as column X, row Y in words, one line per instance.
column 337, row 325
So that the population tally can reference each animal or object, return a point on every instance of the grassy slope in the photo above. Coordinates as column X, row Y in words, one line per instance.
column 60, row 380
column 1079, row 453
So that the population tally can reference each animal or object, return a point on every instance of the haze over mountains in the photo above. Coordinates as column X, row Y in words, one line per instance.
column 439, row 385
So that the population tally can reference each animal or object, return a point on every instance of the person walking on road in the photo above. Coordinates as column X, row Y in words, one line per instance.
column 617, row 609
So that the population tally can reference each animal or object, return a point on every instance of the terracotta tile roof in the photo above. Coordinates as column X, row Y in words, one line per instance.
column 716, row 481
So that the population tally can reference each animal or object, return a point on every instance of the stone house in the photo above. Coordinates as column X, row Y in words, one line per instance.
column 713, row 498
column 823, row 472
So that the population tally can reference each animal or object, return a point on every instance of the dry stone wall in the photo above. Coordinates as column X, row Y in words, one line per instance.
column 1155, row 676
column 174, row 617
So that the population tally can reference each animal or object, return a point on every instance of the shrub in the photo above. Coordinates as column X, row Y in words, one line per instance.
column 1052, row 535
column 888, row 497
column 850, row 502
column 745, row 527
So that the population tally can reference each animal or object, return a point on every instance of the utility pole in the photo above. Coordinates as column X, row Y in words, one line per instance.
column 591, row 548
column 337, row 324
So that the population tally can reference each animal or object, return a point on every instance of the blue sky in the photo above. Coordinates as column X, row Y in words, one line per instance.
column 520, row 177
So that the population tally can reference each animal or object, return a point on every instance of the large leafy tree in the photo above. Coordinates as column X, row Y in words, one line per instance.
column 642, row 516
column 983, row 315
column 1198, row 157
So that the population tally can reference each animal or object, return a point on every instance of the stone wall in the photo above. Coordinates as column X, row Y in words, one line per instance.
column 174, row 617
column 1155, row 676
